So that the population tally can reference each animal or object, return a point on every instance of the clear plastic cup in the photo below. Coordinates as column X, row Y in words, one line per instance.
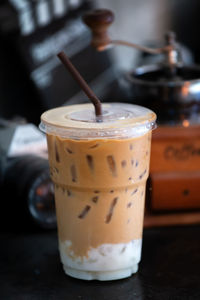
column 99, row 170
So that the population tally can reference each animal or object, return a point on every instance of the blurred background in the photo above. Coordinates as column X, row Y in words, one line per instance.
column 33, row 32
column 33, row 80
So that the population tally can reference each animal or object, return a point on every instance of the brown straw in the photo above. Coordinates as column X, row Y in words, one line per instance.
column 83, row 84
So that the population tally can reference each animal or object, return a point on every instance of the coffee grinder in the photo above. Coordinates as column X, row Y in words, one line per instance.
column 171, row 89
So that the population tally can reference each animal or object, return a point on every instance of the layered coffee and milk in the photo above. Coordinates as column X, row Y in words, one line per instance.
column 99, row 170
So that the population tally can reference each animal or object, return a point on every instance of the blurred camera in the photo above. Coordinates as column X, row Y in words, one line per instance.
column 25, row 185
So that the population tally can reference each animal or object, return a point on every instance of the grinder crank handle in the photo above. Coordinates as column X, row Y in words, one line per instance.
column 99, row 20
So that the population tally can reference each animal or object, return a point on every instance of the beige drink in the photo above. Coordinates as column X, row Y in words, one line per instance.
column 99, row 171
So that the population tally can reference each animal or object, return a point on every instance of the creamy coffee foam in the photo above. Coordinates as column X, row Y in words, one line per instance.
column 118, row 120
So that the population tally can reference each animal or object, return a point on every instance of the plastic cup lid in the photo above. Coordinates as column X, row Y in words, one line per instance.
column 79, row 121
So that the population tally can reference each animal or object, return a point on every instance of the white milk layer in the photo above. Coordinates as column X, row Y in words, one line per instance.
column 106, row 262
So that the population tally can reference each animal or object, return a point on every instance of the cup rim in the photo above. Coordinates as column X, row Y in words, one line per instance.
column 89, row 130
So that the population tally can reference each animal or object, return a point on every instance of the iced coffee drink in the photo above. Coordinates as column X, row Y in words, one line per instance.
column 99, row 170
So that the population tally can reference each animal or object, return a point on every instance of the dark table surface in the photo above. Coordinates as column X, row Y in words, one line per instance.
column 170, row 269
